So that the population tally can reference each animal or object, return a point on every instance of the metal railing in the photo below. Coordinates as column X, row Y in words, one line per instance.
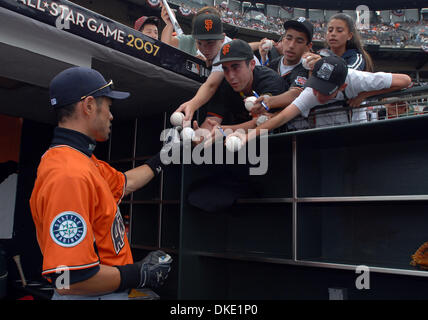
column 403, row 103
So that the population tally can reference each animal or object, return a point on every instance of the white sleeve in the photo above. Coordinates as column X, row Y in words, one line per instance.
column 306, row 101
column 367, row 81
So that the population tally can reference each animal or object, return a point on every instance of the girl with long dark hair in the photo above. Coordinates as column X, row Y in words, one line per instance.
column 344, row 40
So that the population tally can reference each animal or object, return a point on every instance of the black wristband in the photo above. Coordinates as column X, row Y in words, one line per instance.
column 155, row 163
column 130, row 277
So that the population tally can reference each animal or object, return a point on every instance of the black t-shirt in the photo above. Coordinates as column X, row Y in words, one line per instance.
column 273, row 54
column 295, row 77
column 229, row 105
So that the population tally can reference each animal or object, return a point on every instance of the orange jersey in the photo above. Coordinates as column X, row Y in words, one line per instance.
column 75, row 210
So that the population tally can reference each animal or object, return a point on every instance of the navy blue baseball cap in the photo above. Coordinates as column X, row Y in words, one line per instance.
column 303, row 24
column 77, row 83
column 328, row 74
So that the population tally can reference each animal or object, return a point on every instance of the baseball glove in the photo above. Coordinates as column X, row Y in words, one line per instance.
column 420, row 257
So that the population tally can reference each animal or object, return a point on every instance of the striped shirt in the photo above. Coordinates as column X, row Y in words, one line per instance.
column 354, row 59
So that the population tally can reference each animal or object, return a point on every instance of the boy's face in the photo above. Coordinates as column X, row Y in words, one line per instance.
column 323, row 98
column 209, row 48
column 150, row 30
column 294, row 45
column 239, row 75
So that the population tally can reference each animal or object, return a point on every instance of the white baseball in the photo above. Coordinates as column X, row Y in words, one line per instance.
column 187, row 134
column 267, row 45
column 233, row 143
column 262, row 119
column 176, row 119
column 249, row 102
column 305, row 64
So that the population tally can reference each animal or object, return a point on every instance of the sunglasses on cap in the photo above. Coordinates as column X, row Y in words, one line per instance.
column 108, row 84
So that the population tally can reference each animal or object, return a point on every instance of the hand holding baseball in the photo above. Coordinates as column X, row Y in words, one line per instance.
column 263, row 53
column 187, row 109
column 176, row 119
column 267, row 45
column 258, row 109
column 309, row 59
column 235, row 141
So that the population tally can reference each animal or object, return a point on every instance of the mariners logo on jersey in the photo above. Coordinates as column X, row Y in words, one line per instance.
column 68, row 229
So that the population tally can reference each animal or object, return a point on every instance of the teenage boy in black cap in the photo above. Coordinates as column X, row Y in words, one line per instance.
column 209, row 36
column 184, row 42
column 225, row 112
column 207, row 30
column 75, row 199
column 242, row 79
column 296, row 41
column 330, row 81
column 148, row 26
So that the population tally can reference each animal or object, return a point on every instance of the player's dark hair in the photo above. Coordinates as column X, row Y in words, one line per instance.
column 355, row 42
column 66, row 112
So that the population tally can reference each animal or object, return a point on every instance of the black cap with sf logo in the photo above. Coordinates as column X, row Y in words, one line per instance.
column 235, row 50
column 207, row 26
column 328, row 75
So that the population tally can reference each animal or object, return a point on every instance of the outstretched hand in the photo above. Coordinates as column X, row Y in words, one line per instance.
column 258, row 108
column 187, row 109
column 240, row 134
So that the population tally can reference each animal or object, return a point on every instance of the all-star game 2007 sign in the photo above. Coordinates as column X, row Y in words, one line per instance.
column 67, row 16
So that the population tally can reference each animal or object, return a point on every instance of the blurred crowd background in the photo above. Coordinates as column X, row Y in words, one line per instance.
column 398, row 28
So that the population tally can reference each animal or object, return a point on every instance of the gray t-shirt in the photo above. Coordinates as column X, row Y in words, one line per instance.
column 187, row 43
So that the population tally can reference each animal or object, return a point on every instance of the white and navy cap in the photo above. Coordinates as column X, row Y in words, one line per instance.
column 303, row 24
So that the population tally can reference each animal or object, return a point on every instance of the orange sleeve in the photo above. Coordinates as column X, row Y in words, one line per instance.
column 115, row 179
column 65, row 232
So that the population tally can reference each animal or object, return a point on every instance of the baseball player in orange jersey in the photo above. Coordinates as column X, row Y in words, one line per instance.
column 75, row 198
